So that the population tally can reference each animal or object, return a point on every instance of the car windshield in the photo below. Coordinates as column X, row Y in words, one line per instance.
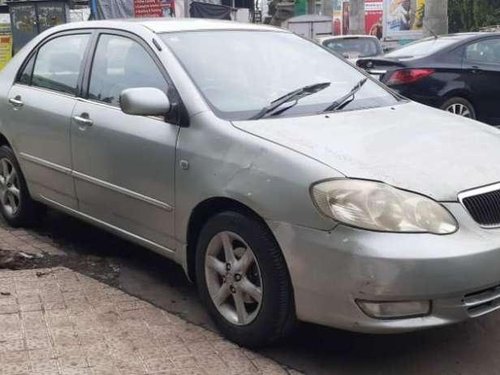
column 354, row 47
column 422, row 47
column 241, row 72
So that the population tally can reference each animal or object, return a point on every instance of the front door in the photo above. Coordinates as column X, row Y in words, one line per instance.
column 123, row 164
column 482, row 64
column 42, row 102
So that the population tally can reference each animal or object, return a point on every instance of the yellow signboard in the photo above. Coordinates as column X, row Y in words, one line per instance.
column 419, row 15
column 5, row 49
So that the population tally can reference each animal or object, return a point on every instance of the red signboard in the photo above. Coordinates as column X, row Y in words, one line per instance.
column 374, row 13
column 148, row 8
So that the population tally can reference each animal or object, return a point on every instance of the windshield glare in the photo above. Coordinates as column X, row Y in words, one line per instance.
column 240, row 72
column 354, row 47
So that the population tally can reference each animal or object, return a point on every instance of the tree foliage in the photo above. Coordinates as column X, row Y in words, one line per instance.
column 471, row 15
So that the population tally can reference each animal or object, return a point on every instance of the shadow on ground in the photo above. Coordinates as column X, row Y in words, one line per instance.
column 468, row 348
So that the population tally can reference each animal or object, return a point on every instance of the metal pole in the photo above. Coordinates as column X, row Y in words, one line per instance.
column 436, row 17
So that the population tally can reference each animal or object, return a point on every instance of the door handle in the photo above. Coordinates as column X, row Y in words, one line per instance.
column 83, row 119
column 16, row 102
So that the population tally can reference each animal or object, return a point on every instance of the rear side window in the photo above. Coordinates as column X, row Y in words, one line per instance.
column 485, row 51
column 58, row 63
column 121, row 63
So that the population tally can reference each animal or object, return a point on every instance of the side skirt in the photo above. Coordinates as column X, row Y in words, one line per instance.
column 168, row 253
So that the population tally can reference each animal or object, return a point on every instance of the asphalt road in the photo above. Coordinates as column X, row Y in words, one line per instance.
column 469, row 348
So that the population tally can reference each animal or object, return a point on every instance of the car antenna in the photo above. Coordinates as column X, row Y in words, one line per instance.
column 430, row 30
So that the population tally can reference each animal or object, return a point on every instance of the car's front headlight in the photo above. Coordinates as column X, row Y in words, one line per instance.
column 377, row 206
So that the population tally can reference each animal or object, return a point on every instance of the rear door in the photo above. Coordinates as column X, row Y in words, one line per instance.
column 123, row 164
column 42, row 101
column 482, row 66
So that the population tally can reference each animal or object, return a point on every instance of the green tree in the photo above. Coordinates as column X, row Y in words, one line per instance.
column 471, row 15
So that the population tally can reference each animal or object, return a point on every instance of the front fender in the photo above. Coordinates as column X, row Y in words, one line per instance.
column 227, row 162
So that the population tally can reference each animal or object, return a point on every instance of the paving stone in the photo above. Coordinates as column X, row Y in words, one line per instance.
column 93, row 329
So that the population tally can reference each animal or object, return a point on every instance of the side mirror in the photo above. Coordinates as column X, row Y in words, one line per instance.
column 144, row 101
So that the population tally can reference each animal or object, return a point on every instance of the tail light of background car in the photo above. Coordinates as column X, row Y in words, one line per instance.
column 406, row 76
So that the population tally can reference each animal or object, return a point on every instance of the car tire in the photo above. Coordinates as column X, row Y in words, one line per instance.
column 256, row 258
column 460, row 106
column 16, row 204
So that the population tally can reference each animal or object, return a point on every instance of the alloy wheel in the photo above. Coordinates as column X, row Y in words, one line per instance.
column 233, row 278
column 459, row 109
column 10, row 191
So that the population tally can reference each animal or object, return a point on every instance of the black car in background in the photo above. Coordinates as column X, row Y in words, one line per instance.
column 459, row 73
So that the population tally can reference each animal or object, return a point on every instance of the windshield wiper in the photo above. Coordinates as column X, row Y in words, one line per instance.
column 293, row 96
column 347, row 98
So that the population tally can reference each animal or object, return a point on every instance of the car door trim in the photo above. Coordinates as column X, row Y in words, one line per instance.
column 96, row 181
column 110, row 106
column 144, row 241
column 45, row 163
column 45, row 90
column 123, row 191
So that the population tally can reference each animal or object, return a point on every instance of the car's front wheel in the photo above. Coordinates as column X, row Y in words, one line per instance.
column 460, row 106
column 243, row 280
column 16, row 204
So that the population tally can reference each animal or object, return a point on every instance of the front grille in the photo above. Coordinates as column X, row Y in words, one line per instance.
column 484, row 208
column 483, row 302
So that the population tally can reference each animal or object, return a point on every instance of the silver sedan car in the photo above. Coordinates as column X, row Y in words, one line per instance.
column 288, row 184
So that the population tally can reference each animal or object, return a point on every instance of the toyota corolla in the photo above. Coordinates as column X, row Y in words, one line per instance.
column 288, row 184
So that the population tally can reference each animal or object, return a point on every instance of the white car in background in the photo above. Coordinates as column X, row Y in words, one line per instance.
column 353, row 47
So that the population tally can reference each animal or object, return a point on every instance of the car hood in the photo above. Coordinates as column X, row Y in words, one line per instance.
column 409, row 146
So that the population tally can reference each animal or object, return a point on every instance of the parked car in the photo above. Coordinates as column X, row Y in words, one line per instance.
column 310, row 193
column 459, row 73
column 353, row 47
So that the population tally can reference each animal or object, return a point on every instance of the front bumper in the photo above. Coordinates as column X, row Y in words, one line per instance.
column 331, row 270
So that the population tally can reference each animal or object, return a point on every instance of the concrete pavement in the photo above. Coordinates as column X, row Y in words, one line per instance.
column 467, row 348
column 57, row 321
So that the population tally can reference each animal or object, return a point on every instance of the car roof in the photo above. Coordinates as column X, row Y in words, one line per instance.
column 454, row 39
column 476, row 33
column 165, row 25
column 466, row 36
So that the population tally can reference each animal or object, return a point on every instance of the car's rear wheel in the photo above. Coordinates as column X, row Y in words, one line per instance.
column 16, row 204
column 460, row 106
column 243, row 280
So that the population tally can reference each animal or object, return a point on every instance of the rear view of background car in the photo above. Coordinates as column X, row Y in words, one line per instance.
column 353, row 47
column 459, row 73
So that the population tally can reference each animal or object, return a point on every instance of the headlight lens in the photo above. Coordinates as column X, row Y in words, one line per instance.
column 377, row 206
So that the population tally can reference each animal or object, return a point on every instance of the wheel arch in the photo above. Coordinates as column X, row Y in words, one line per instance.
column 459, row 93
column 4, row 141
column 202, row 213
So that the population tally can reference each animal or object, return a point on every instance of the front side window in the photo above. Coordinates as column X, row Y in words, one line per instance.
column 121, row 63
column 240, row 72
column 58, row 63
column 486, row 52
